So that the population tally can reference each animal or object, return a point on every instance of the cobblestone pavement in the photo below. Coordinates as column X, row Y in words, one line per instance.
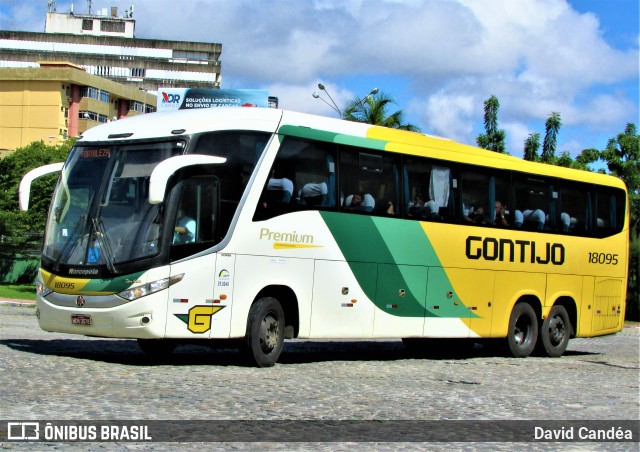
column 58, row 376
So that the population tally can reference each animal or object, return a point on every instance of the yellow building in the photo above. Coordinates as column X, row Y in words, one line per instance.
column 59, row 100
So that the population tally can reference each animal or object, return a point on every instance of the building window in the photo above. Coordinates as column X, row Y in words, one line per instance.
column 87, row 24
column 112, row 26
column 137, row 106
column 95, row 93
column 149, row 108
column 187, row 55
column 138, row 72
column 105, row 96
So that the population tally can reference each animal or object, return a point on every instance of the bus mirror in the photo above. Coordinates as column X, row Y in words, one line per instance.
column 167, row 168
column 25, row 184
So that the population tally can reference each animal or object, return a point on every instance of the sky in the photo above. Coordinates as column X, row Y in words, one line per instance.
column 439, row 59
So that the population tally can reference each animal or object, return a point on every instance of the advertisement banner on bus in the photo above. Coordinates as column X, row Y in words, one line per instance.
column 188, row 98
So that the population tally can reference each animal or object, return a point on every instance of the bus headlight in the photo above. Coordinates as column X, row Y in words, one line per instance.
column 41, row 289
column 149, row 288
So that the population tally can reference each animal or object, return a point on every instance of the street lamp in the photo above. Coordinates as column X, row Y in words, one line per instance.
column 371, row 93
column 332, row 104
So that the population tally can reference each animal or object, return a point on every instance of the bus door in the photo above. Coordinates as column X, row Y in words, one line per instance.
column 196, row 307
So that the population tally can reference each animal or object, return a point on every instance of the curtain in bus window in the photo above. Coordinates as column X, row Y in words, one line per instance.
column 331, row 182
column 589, row 214
column 407, row 190
column 492, row 198
column 439, row 185
column 551, row 221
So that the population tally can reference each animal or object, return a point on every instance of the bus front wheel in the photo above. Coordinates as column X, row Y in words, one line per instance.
column 523, row 330
column 265, row 332
column 554, row 332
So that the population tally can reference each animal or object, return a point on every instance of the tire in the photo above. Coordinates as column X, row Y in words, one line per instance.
column 265, row 332
column 554, row 332
column 157, row 347
column 523, row 330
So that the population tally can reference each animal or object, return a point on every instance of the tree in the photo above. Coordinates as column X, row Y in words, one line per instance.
column 494, row 138
column 21, row 232
column 531, row 147
column 622, row 155
column 373, row 110
column 552, row 126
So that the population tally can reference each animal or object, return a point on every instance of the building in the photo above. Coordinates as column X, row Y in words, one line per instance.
column 57, row 100
column 104, row 44
column 86, row 69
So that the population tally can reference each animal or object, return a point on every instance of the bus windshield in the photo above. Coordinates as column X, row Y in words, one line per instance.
column 100, row 214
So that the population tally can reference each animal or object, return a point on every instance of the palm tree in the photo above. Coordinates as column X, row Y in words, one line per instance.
column 494, row 138
column 552, row 126
column 531, row 146
column 373, row 110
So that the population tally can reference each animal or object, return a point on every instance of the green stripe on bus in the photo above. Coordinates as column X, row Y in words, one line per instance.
column 114, row 285
column 406, row 263
column 331, row 137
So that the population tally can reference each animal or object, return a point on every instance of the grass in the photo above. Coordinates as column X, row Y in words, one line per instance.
column 18, row 291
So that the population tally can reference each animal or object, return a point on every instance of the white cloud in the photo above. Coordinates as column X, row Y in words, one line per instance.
column 447, row 115
column 536, row 56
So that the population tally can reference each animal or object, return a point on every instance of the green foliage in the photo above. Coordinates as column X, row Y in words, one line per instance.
column 531, row 147
column 494, row 138
column 373, row 110
column 622, row 156
column 552, row 127
column 633, row 291
column 21, row 232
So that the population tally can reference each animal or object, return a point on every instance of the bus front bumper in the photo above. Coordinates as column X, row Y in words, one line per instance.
column 144, row 318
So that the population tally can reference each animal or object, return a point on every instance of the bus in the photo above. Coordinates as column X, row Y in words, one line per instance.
column 254, row 225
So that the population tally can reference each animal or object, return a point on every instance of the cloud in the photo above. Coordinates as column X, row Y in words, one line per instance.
column 536, row 56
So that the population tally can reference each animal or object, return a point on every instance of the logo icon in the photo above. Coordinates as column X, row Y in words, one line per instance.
column 198, row 319
column 170, row 98
column 80, row 301
column 23, row 431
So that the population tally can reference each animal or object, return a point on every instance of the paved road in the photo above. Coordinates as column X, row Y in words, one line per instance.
column 57, row 376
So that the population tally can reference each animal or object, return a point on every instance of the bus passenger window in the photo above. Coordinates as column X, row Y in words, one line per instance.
column 369, row 182
column 535, row 202
column 302, row 178
column 609, row 212
column 429, row 190
column 575, row 208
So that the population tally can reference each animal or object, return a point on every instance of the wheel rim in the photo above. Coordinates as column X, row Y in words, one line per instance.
column 269, row 333
column 521, row 331
column 556, row 330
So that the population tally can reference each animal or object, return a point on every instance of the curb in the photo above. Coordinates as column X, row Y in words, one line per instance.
column 16, row 303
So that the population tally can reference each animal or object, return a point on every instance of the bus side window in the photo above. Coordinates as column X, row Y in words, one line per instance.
column 369, row 182
column 429, row 190
column 302, row 178
column 610, row 207
column 535, row 203
column 575, row 209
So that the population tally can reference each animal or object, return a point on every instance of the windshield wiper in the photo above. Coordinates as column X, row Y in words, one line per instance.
column 101, row 236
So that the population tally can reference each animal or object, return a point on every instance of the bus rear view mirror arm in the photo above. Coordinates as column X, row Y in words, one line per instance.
column 167, row 168
column 25, row 184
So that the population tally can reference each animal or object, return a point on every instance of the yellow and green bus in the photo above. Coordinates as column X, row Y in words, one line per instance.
column 257, row 225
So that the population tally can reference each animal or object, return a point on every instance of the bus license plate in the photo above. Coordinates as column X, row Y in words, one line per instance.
column 79, row 319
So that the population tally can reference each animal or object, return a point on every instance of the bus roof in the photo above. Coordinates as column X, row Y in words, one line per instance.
column 175, row 123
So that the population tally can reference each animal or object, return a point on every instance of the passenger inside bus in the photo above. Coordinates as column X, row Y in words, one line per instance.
column 500, row 216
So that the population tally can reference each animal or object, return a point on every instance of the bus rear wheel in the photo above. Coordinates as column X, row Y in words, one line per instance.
column 554, row 332
column 265, row 332
column 523, row 330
